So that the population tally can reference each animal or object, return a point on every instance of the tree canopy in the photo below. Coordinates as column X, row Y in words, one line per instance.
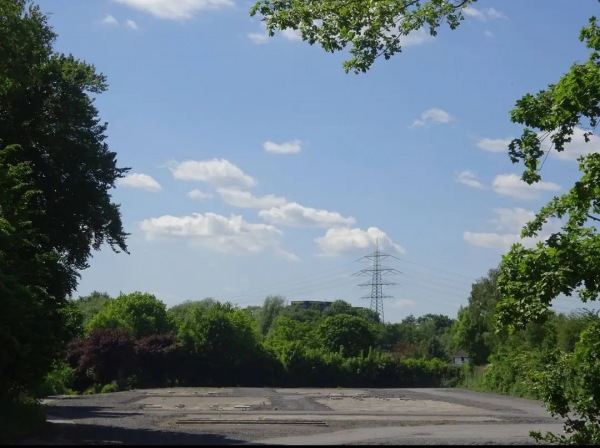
column 348, row 333
column 370, row 28
column 56, row 172
column 475, row 326
column 568, row 261
column 141, row 314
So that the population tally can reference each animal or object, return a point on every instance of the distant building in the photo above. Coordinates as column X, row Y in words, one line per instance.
column 308, row 303
column 460, row 357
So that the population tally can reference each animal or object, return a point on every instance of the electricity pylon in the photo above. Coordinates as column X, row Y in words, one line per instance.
column 377, row 271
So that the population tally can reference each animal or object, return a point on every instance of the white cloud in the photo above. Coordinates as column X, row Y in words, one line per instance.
column 218, row 172
column 263, row 37
column 294, row 214
column 512, row 219
column 494, row 145
column 175, row 9
column 434, row 115
column 141, row 181
column 244, row 199
column 198, row 194
column 501, row 242
column 512, row 185
column 291, row 34
column 110, row 20
column 401, row 303
column 131, row 24
column 417, row 37
column 258, row 38
column 483, row 14
column 291, row 147
column 509, row 223
column 469, row 179
column 576, row 147
column 215, row 232
column 285, row 255
column 339, row 239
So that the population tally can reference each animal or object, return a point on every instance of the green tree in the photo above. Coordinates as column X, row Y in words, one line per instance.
column 403, row 338
column 181, row 310
column 286, row 332
column 46, row 107
column 370, row 28
column 343, row 307
column 353, row 334
column 35, row 326
column 572, row 391
column 367, row 314
column 569, row 328
column 569, row 260
column 311, row 314
column 222, row 340
column 475, row 331
column 272, row 307
column 339, row 307
column 141, row 314
column 439, row 321
column 91, row 305
column 55, row 176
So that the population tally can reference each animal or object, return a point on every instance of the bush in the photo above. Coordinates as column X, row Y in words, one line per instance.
column 109, row 388
column 157, row 358
column 58, row 381
column 570, row 389
column 512, row 372
column 419, row 372
column 104, row 356
column 92, row 390
column 319, row 368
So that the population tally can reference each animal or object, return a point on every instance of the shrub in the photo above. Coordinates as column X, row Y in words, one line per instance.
column 58, row 381
column 109, row 388
column 105, row 355
column 158, row 355
column 569, row 386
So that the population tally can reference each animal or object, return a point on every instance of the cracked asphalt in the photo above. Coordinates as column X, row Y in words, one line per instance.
column 198, row 416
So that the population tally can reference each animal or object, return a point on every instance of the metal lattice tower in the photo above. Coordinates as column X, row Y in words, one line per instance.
column 377, row 271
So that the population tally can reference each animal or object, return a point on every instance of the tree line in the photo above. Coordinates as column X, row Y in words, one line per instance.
column 133, row 340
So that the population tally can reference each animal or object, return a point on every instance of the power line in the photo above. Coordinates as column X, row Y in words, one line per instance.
column 435, row 269
column 328, row 279
column 270, row 286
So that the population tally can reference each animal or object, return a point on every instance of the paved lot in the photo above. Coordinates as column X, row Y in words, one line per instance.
column 188, row 416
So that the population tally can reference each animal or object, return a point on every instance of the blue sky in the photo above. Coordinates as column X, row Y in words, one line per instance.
column 258, row 167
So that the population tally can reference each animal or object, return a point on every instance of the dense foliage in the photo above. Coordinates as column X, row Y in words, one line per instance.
column 56, row 172
column 131, row 341
column 55, row 207
column 371, row 29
